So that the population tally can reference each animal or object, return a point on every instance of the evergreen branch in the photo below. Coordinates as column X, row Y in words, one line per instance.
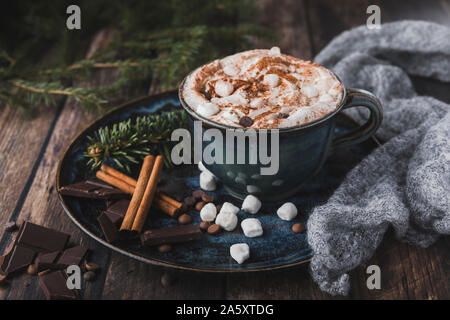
column 127, row 142
column 71, row 92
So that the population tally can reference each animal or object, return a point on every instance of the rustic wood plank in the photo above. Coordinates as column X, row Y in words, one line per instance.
column 407, row 272
column 287, row 18
column 41, row 205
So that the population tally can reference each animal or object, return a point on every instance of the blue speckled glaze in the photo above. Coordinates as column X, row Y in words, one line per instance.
column 278, row 247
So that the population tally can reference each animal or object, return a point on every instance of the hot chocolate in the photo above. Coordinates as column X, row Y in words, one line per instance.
column 262, row 89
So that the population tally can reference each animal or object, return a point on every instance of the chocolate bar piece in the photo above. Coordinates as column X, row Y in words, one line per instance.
column 72, row 256
column 18, row 258
column 171, row 235
column 117, row 211
column 92, row 189
column 109, row 229
column 41, row 239
column 54, row 285
column 31, row 239
column 46, row 260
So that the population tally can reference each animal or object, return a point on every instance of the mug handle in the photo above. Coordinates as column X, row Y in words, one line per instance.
column 360, row 98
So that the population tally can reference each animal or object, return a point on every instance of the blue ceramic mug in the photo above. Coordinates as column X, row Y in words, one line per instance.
column 302, row 149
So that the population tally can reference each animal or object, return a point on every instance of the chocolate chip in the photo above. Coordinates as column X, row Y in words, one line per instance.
column 200, row 205
column 298, row 228
column 164, row 248
column 207, row 198
column 206, row 95
column 204, row 225
column 197, row 194
column 10, row 226
column 283, row 115
column 214, row 229
column 32, row 269
column 90, row 266
column 89, row 276
column 185, row 219
column 189, row 201
column 246, row 121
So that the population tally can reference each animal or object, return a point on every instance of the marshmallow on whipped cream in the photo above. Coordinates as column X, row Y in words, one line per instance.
column 273, row 89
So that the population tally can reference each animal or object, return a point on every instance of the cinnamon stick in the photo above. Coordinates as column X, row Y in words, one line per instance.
column 116, row 182
column 147, row 198
column 119, row 175
column 161, row 201
column 138, row 194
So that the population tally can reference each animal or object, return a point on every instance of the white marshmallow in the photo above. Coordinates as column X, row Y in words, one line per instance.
column 207, row 110
column 208, row 212
column 251, row 204
column 252, row 189
column 310, row 91
column 231, row 174
column 325, row 98
column 256, row 103
column 287, row 211
column 272, row 80
column 252, row 227
column 207, row 181
column 223, row 88
column 231, row 70
column 240, row 252
column 227, row 220
column 228, row 207
column 275, row 51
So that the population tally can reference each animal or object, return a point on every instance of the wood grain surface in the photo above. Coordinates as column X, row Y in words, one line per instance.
column 30, row 151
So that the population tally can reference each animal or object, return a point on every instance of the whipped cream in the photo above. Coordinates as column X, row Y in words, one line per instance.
column 274, row 90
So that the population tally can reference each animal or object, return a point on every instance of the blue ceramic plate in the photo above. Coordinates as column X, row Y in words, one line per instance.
column 278, row 248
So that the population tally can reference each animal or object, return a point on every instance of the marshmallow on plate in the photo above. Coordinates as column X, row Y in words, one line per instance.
column 227, row 220
column 207, row 181
column 251, row 204
column 251, row 227
column 240, row 252
column 228, row 207
column 287, row 211
column 208, row 212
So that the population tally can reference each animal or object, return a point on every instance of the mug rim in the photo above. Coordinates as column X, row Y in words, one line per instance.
column 219, row 125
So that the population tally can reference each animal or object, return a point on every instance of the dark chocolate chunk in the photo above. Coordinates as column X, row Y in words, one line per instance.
column 41, row 239
column 10, row 226
column 92, row 189
column 47, row 260
column 246, row 121
column 171, row 235
column 72, row 256
column 54, row 285
column 19, row 258
column 117, row 211
column 282, row 115
column 109, row 229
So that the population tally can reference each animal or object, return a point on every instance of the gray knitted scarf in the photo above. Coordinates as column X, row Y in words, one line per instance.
column 405, row 183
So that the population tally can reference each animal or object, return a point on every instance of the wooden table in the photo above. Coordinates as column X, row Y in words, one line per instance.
column 30, row 151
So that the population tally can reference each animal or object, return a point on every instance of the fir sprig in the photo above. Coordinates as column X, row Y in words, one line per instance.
column 153, row 41
column 129, row 141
